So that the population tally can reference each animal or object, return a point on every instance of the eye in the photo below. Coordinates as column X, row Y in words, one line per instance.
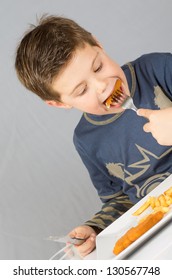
column 98, row 68
column 83, row 91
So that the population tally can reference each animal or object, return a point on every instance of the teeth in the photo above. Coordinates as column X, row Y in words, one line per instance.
column 115, row 96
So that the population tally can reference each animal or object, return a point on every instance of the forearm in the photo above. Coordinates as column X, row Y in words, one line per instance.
column 110, row 211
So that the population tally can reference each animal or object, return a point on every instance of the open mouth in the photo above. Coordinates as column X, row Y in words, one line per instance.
column 117, row 96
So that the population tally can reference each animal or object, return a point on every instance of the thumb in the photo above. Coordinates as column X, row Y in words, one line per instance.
column 78, row 232
column 146, row 127
column 144, row 113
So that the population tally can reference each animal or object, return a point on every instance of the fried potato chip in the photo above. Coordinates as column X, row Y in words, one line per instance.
column 163, row 209
column 142, row 208
column 168, row 199
column 162, row 200
column 152, row 201
column 157, row 202
column 168, row 192
column 160, row 203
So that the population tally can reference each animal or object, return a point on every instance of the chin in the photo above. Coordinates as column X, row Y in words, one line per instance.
column 114, row 111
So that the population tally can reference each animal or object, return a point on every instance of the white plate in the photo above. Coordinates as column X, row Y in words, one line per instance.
column 108, row 237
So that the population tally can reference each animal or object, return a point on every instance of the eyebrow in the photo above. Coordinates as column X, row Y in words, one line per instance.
column 82, row 81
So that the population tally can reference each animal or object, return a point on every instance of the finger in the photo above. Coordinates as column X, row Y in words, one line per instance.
column 79, row 232
column 72, row 234
column 144, row 113
column 87, row 247
column 76, row 234
column 146, row 127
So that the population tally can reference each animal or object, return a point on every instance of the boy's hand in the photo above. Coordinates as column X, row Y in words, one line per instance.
column 160, row 124
column 85, row 232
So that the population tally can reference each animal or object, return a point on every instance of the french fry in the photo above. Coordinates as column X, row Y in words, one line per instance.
column 168, row 192
column 163, row 209
column 162, row 200
column 160, row 203
column 142, row 208
column 152, row 201
column 168, row 200
column 157, row 202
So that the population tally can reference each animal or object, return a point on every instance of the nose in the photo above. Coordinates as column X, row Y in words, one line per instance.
column 101, row 86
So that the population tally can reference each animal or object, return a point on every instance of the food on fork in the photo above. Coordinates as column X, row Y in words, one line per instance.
column 135, row 232
column 118, row 98
column 116, row 94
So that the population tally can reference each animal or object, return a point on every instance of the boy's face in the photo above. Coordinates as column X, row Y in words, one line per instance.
column 88, row 80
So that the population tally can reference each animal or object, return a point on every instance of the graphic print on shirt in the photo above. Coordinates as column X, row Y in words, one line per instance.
column 118, row 170
column 161, row 100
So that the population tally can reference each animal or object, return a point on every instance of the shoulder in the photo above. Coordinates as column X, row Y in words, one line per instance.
column 153, row 59
column 156, row 64
column 154, row 56
column 79, row 130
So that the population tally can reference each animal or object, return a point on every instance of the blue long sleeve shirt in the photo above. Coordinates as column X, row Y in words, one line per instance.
column 124, row 162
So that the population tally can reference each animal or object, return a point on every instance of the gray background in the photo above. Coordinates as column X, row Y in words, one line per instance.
column 44, row 188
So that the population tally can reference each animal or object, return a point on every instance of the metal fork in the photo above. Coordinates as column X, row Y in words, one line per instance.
column 129, row 104
column 67, row 239
column 69, row 248
column 118, row 97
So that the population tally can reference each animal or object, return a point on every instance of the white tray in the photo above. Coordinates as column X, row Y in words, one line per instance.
column 106, row 240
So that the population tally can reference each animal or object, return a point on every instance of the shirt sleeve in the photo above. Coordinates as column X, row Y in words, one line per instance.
column 110, row 211
column 168, row 74
column 159, row 67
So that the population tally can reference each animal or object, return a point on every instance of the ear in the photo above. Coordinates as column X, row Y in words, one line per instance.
column 57, row 104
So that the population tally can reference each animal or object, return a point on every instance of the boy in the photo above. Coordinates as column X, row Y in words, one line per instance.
column 65, row 65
